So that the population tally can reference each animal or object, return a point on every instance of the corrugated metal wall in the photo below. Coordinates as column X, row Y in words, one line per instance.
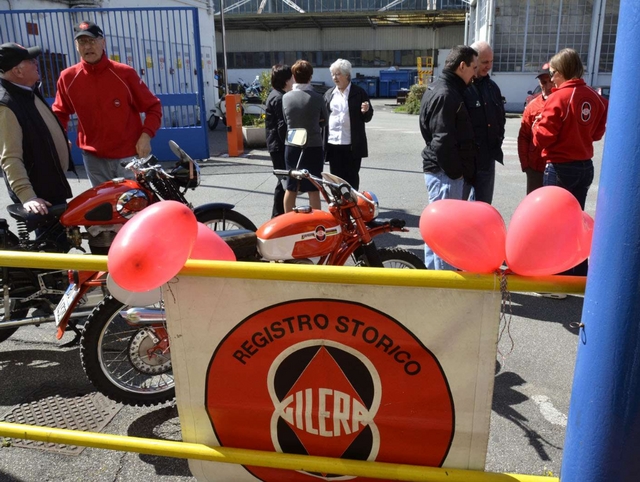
column 406, row 38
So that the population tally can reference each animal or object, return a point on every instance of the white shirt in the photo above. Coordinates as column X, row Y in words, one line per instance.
column 339, row 121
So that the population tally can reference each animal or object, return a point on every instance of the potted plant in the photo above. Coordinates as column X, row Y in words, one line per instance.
column 253, row 126
column 253, row 130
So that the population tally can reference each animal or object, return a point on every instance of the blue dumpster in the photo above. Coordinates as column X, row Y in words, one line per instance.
column 393, row 80
column 369, row 84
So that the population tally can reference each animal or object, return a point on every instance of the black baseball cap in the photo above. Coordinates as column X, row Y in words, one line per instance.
column 544, row 70
column 87, row 29
column 11, row 54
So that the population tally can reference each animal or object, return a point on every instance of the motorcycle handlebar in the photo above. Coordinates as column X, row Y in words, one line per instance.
column 301, row 174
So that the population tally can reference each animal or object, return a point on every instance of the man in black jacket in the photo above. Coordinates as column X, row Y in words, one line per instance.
column 34, row 152
column 345, row 139
column 486, row 109
column 448, row 160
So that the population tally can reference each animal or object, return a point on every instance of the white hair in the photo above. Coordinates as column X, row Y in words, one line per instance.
column 480, row 46
column 344, row 66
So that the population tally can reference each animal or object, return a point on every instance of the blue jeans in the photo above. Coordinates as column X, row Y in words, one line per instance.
column 576, row 177
column 484, row 183
column 440, row 186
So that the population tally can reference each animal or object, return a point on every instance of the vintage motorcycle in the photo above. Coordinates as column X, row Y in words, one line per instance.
column 338, row 237
column 33, row 296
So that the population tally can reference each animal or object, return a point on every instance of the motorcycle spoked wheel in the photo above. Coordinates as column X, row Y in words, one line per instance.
column 19, row 282
column 396, row 258
column 123, row 361
column 225, row 220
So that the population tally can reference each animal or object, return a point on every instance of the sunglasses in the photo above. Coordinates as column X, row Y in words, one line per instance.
column 552, row 73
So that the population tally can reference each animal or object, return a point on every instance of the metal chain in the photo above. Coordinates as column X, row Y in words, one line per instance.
column 506, row 313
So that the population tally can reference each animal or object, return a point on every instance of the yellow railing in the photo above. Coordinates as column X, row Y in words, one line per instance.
column 276, row 271
column 258, row 458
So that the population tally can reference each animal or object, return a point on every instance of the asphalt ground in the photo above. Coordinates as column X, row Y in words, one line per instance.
column 533, row 377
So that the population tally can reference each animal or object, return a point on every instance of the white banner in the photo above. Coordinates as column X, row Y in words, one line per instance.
column 385, row 373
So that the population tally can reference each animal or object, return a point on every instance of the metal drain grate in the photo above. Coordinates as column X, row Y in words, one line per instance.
column 62, row 407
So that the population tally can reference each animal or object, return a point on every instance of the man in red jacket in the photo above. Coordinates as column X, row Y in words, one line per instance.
column 108, row 98
column 530, row 155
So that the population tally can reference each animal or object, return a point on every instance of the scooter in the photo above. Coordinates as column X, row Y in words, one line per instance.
column 251, row 105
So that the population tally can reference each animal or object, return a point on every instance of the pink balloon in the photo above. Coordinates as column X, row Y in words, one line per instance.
column 153, row 246
column 467, row 235
column 547, row 233
column 209, row 245
column 587, row 226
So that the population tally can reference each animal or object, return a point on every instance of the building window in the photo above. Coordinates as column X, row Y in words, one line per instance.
column 358, row 58
column 609, row 32
column 528, row 33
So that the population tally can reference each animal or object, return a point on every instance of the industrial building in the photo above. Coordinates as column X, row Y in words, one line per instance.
column 380, row 34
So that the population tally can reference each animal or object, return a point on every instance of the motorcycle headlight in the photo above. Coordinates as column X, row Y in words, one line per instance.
column 368, row 205
column 131, row 202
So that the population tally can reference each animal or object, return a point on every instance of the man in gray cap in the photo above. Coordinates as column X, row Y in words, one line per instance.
column 108, row 98
column 34, row 153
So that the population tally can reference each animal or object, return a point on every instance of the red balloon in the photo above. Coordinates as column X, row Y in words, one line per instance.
column 548, row 233
column 467, row 235
column 587, row 225
column 153, row 246
column 209, row 245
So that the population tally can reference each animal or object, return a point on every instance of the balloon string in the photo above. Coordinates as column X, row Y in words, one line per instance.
column 506, row 313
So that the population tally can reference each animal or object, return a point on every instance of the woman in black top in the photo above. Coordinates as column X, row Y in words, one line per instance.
column 276, row 127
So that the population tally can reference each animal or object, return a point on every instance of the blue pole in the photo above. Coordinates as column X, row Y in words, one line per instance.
column 603, row 431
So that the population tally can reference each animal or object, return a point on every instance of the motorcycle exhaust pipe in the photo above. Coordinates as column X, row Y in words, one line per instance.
column 144, row 316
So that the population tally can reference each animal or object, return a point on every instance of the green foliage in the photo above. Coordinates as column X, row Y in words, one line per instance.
column 265, row 82
column 414, row 97
column 249, row 120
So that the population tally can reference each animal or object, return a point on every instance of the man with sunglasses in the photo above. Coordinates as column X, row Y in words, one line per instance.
column 108, row 98
column 34, row 153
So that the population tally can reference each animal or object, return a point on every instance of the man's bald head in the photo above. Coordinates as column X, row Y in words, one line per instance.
column 485, row 58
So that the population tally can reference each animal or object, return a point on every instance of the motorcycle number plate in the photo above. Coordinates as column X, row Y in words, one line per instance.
column 65, row 302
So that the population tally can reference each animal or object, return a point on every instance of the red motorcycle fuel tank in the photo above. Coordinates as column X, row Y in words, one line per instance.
column 97, row 205
column 299, row 235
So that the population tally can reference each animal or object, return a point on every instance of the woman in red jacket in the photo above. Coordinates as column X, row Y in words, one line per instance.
column 573, row 118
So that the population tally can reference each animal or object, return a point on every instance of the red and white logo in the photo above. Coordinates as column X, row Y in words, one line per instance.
column 585, row 111
column 320, row 233
column 329, row 378
column 116, row 102
column 83, row 26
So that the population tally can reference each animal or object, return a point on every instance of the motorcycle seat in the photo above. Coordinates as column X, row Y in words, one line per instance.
column 243, row 242
column 34, row 221
column 253, row 100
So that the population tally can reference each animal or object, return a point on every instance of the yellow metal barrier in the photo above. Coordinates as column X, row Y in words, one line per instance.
column 316, row 274
column 309, row 463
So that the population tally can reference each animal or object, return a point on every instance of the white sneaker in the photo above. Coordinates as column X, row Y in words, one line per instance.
column 553, row 296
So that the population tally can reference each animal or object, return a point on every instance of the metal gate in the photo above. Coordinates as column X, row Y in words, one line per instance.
column 161, row 44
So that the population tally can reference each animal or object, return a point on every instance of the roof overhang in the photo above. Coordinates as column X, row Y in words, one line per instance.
column 268, row 22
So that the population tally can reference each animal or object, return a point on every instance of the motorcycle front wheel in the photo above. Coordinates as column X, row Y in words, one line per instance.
column 225, row 220
column 396, row 258
column 129, row 364
column 212, row 122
